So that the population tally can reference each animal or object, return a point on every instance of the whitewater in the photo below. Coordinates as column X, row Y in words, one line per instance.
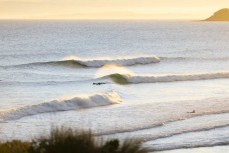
column 165, row 78
column 165, row 83
column 63, row 105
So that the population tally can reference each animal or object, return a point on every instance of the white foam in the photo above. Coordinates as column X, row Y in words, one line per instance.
column 64, row 105
column 173, row 78
column 208, row 138
column 122, row 62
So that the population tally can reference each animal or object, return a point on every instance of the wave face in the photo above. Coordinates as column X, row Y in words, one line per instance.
column 64, row 105
column 101, row 62
column 129, row 79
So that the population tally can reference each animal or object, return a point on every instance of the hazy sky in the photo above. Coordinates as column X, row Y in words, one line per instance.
column 109, row 9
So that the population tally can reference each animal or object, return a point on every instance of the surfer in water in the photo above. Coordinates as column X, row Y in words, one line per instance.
column 99, row 83
column 192, row 112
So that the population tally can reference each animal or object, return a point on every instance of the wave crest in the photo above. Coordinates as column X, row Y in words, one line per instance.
column 129, row 79
column 100, row 62
column 64, row 105
column 122, row 62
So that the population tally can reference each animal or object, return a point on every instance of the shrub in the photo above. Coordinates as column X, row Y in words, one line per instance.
column 65, row 141
column 14, row 146
column 69, row 141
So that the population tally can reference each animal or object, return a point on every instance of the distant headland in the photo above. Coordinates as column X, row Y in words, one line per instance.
column 221, row 15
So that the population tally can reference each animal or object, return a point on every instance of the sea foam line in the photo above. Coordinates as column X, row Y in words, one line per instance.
column 209, row 138
column 176, row 128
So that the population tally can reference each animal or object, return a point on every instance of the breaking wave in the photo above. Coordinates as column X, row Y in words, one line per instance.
column 101, row 62
column 64, row 105
column 130, row 79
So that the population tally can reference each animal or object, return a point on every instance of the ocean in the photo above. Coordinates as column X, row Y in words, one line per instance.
column 165, row 83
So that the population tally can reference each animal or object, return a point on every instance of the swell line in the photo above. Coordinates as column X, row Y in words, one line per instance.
column 191, row 146
column 183, row 58
column 97, row 62
column 137, row 79
column 161, row 124
column 187, row 131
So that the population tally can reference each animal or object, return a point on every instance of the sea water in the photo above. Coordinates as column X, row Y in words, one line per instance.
column 163, row 82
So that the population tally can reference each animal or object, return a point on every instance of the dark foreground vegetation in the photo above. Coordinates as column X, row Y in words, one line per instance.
column 70, row 141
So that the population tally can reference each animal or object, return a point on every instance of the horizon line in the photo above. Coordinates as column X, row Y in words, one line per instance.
column 106, row 19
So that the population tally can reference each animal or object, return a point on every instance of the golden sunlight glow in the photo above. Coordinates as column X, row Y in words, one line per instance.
column 109, row 9
column 71, row 57
column 111, row 69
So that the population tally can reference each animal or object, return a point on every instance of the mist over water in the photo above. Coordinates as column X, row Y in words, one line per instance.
column 155, row 72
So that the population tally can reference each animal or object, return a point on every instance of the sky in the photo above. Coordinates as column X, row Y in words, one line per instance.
column 110, row 9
